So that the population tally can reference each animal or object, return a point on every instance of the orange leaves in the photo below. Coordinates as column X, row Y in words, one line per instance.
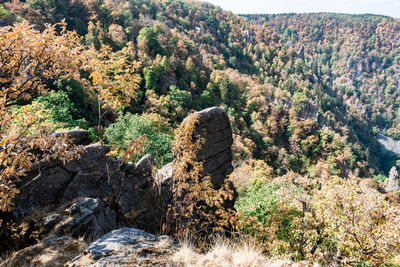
column 136, row 147
column 29, row 58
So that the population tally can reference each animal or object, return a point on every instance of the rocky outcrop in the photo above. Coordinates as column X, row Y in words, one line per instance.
column 95, row 194
column 106, row 185
column 392, row 183
column 214, row 128
column 85, row 198
column 89, row 218
column 127, row 247
column 388, row 144
column 300, row 53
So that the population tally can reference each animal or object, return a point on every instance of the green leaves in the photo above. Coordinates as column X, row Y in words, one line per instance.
column 131, row 127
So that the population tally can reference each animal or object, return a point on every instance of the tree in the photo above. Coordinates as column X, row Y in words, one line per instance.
column 29, row 59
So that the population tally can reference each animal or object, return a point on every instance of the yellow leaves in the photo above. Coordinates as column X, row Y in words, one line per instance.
column 30, row 58
column 113, row 76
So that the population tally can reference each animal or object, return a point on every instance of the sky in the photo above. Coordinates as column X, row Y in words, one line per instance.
column 380, row 7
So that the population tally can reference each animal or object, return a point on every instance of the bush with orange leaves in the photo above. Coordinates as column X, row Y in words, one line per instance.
column 28, row 60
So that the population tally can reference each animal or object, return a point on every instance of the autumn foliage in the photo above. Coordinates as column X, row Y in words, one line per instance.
column 330, row 220
column 29, row 59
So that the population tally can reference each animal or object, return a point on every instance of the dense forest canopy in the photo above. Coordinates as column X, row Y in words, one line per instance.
column 302, row 90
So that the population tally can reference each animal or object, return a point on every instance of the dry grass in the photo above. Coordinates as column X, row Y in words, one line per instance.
column 226, row 253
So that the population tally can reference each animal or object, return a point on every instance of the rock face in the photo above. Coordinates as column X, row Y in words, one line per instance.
column 388, row 144
column 85, row 198
column 127, row 247
column 214, row 128
column 216, row 154
column 392, row 183
column 128, row 188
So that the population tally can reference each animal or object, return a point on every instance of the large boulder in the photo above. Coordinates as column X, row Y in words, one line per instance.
column 392, row 183
column 127, row 247
column 216, row 154
column 138, row 197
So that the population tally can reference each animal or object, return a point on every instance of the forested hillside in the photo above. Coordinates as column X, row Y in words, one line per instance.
column 302, row 90
column 306, row 94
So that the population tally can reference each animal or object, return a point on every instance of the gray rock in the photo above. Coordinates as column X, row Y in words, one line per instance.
column 88, row 184
column 388, row 144
column 40, row 188
column 94, row 159
column 123, row 247
column 83, row 217
column 79, row 137
column 51, row 219
column 108, row 196
column 214, row 127
column 300, row 53
column 95, row 194
column 164, row 179
column 392, row 183
column 89, row 218
column 138, row 196
column 145, row 165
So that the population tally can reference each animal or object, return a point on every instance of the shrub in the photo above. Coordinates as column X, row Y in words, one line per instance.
column 332, row 221
column 380, row 177
column 133, row 127
column 273, row 218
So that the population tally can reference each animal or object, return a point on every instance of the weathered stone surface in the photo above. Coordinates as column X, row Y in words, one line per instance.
column 214, row 126
column 300, row 53
column 93, row 159
column 52, row 252
column 129, row 189
column 126, row 247
column 164, row 178
column 96, row 194
column 40, row 188
column 388, row 145
column 83, row 217
column 392, row 183
column 215, row 129
column 88, row 184
column 79, row 137
column 138, row 197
